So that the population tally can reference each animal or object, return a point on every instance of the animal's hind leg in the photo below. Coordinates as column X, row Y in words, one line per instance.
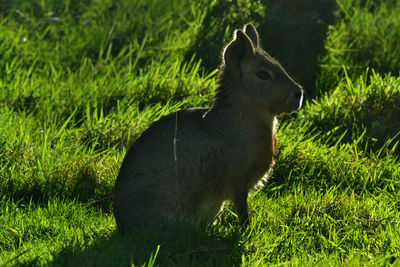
column 242, row 210
column 139, row 216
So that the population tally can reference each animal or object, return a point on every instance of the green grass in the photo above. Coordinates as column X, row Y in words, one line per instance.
column 365, row 109
column 365, row 35
column 81, row 80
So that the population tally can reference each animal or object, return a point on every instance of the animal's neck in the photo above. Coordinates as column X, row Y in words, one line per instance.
column 229, row 118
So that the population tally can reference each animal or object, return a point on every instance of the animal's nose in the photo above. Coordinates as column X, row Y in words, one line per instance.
column 298, row 93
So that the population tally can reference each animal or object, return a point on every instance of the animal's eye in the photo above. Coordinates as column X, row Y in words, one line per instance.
column 263, row 75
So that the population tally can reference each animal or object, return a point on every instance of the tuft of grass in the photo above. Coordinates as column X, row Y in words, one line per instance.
column 32, row 234
column 303, row 161
column 336, row 227
column 365, row 109
column 366, row 35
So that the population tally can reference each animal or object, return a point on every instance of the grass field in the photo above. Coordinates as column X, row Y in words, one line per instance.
column 81, row 80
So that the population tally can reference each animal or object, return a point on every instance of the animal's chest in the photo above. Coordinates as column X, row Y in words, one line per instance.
column 253, row 157
column 261, row 159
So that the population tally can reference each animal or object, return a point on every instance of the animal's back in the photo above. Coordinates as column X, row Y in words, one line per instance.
column 167, row 170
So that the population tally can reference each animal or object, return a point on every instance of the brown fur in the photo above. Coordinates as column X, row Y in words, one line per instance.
column 187, row 163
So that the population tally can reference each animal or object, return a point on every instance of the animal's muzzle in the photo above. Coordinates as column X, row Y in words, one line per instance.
column 295, row 99
column 298, row 94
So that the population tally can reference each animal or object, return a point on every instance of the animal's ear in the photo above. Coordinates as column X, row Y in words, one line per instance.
column 238, row 49
column 252, row 33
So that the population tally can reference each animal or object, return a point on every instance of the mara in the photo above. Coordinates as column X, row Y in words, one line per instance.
column 188, row 163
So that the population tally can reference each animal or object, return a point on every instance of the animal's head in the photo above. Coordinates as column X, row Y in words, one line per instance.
column 256, row 79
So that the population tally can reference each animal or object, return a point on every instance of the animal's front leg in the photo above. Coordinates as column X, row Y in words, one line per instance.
column 240, row 201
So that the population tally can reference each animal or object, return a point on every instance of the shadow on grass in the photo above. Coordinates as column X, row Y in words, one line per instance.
column 179, row 245
column 292, row 31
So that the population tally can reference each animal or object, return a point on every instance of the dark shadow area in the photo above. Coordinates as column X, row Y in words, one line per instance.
column 292, row 31
column 175, row 246
column 216, row 31
column 294, row 34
